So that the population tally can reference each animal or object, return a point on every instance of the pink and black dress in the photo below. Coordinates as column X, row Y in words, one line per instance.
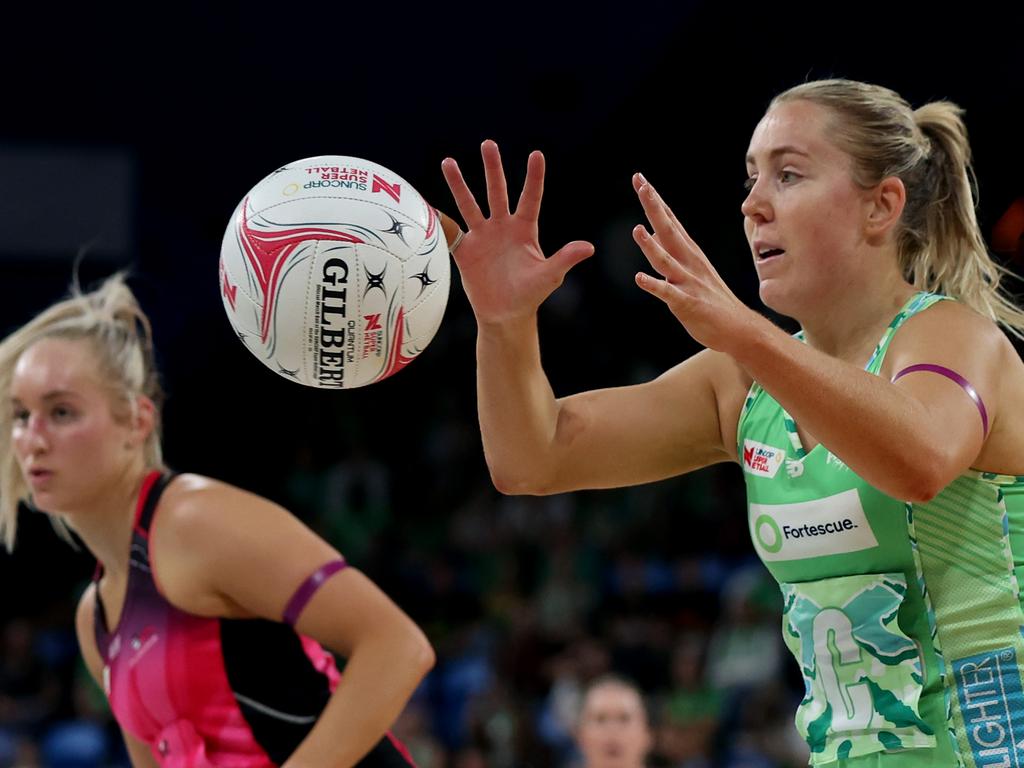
column 212, row 692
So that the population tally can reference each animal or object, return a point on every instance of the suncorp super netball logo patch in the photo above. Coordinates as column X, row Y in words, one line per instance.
column 347, row 177
column 760, row 459
column 830, row 526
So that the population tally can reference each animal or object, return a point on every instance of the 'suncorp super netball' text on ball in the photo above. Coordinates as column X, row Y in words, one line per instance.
column 334, row 272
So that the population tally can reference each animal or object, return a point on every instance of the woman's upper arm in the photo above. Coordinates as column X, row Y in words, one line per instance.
column 953, row 337
column 683, row 420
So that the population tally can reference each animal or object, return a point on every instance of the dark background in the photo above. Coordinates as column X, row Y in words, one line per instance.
column 133, row 134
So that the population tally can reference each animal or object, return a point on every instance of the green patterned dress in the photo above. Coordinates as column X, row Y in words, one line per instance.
column 905, row 618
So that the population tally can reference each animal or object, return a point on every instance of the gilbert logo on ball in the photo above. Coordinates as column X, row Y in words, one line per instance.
column 334, row 272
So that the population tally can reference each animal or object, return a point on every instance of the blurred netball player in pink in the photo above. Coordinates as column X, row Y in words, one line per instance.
column 205, row 620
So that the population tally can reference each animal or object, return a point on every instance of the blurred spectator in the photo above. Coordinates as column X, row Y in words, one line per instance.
column 613, row 730
column 691, row 712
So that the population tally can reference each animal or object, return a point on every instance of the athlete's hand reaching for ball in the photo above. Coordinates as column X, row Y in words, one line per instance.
column 690, row 286
column 504, row 271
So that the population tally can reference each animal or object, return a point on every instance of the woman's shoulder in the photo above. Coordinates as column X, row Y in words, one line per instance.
column 942, row 308
column 190, row 486
column 198, row 520
column 222, row 551
column 189, row 497
column 199, row 514
column 951, row 328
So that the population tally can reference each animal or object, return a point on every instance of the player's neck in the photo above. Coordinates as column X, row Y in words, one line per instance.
column 105, row 525
column 851, row 324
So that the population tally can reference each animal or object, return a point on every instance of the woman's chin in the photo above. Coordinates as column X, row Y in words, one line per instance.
column 781, row 299
column 773, row 295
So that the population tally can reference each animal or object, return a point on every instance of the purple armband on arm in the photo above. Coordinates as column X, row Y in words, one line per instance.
column 949, row 373
column 308, row 588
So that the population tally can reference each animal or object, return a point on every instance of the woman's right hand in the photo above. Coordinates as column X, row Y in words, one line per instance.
column 504, row 271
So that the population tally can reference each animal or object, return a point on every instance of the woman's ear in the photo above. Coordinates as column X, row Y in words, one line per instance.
column 884, row 209
column 143, row 419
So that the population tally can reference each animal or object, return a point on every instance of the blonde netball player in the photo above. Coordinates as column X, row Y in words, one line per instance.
column 881, row 446
column 206, row 620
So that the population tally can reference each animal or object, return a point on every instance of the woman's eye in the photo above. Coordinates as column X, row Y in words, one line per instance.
column 787, row 176
column 20, row 415
column 62, row 413
column 749, row 183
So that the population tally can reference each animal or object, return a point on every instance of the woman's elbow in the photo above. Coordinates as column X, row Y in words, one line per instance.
column 424, row 657
column 516, row 482
column 921, row 493
column 927, row 479
column 512, row 485
column 416, row 651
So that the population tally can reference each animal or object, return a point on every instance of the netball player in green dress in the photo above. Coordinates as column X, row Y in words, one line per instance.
column 880, row 445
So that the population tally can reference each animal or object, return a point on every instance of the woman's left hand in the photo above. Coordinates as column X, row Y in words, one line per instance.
column 691, row 287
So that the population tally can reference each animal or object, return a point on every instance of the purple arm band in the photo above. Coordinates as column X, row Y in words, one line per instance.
column 308, row 588
column 951, row 374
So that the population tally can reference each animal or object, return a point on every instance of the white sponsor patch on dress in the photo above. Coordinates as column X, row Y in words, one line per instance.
column 833, row 525
column 760, row 459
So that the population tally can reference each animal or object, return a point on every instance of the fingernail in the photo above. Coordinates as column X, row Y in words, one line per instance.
column 641, row 177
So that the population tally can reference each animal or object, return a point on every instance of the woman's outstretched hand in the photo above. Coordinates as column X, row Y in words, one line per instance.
column 503, row 269
column 690, row 286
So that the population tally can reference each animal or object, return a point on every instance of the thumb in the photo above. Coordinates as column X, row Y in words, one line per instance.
column 452, row 231
column 571, row 254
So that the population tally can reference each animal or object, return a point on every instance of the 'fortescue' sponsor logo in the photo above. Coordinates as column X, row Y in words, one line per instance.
column 332, row 296
column 831, row 526
column 992, row 706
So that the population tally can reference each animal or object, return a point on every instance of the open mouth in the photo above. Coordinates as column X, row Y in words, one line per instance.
column 769, row 253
